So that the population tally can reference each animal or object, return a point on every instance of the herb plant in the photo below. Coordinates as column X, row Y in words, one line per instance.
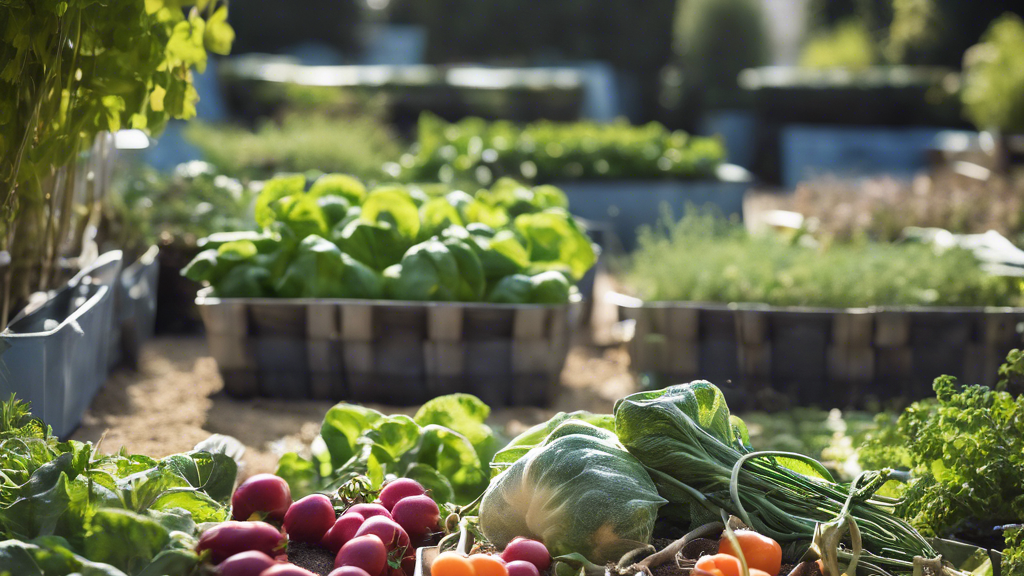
column 703, row 258
column 479, row 151
column 963, row 450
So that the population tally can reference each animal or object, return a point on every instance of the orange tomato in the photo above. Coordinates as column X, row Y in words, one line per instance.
column 451, row 564
column 487, row 565
column 760, row 552
column 719, row 565
column 726, row 565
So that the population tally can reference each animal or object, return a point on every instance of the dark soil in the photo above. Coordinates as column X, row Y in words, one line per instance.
column 700, row 547
column 311, row 557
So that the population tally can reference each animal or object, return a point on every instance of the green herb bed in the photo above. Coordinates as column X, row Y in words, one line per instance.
column 830, row 324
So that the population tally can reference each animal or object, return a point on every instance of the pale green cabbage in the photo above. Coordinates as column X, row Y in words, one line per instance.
column 577, row 492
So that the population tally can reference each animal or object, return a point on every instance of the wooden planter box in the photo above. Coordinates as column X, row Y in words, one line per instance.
column 625, row 205
column 822, row 356
column 391, row 352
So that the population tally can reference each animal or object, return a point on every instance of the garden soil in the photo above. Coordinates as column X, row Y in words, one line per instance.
column 175, row 400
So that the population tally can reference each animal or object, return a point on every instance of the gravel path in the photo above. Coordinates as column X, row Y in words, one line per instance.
column 175, row 400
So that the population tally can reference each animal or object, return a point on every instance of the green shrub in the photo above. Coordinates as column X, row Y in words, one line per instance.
column 480, row 151
column 849, row 45
column 717, row 39
column 703, row 258
column 993, row 92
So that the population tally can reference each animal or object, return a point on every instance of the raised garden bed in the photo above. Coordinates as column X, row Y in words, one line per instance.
column 398, row 353
column 626, row 205
column 825, row 356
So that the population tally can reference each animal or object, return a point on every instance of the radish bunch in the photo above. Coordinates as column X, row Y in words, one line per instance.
column 375, row 539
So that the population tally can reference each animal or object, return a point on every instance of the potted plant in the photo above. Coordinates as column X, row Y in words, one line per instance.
column 75, row 72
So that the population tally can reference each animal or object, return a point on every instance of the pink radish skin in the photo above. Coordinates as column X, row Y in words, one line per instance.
column 529, row 550
column 365, row 552
column 344, row 529
column 286, row 570
column 417, row 515
column 370, row 510
column 309, row 519
column 229, row 538
column 348, row 571
column 521, row 568
column 389, row 532
column 245, row 564
column 262, row 493
column 398, row 489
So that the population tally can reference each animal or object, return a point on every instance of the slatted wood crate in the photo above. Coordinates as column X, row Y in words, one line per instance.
column 398, row 353
column 823, row 356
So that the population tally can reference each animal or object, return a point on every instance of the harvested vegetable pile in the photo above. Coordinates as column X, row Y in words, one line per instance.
column 509, row 244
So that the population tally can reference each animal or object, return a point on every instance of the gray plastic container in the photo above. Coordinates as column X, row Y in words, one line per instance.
column 58, row 355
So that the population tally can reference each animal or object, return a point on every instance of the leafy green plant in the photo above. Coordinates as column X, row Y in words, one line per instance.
column 993, row 83
column 707, row 259
column 718, row 39
column 445, row 447
column 337, row 240
column 67, row 509
column 1013, row 555
column 963, row 452
column 849, row 46
column 478, row 151
column 74, row 69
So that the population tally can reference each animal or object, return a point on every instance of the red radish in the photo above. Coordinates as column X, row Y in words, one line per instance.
column 263, row 493
column 398, row 489
column 229, row 538
column 389, row 532
column 529, row 550
column 309, row 518
column 249, row 563
column 348, row 571
column 418, row 515
column 366, row 552
column 521, row 568
column 286, row 570
column 368, row 510
column 344, row 529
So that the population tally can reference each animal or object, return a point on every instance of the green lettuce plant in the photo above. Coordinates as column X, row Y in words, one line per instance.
column 445, row 447
column 473, row 150
column 337, row 240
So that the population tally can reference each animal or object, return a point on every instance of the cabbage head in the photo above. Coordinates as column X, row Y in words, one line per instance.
column 579, row 491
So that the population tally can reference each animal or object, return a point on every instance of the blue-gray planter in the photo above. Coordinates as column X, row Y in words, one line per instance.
column 625, row 205
column 136, row 305
column 58, row 351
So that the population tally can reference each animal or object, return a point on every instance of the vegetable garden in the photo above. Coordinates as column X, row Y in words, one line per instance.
column 549, row 348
